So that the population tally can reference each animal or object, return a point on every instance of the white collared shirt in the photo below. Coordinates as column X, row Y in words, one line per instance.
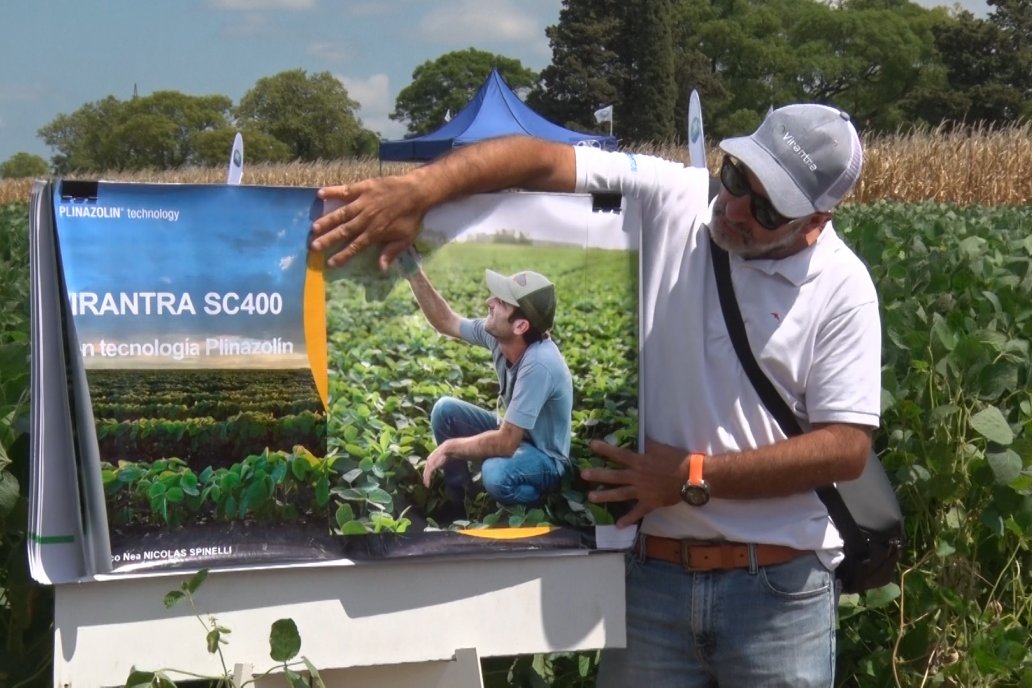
column 812, row 321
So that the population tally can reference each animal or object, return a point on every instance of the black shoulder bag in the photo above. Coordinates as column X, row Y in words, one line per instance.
column 865, row 511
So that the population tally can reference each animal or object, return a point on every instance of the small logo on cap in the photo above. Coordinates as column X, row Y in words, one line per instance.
column 520, row 279
column 794, row 146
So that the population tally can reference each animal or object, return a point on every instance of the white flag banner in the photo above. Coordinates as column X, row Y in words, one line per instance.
column 236, row 161
column 604, row 114
column 696, row 140
column 447, row 115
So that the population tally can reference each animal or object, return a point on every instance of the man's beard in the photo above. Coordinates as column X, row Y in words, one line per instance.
column 749, row 249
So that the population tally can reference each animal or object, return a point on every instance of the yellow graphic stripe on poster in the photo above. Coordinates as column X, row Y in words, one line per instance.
column 315, row 324
column 508, row 533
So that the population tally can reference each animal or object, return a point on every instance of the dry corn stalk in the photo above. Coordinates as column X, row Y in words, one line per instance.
column 981, row 166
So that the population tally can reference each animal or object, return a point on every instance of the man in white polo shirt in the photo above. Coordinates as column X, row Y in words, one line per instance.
column 732, row 583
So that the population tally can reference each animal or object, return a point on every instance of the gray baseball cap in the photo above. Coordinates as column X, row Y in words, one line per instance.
column 807, row 157
column 530, row 291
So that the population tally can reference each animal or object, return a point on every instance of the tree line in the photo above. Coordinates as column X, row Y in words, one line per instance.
column 892, row 64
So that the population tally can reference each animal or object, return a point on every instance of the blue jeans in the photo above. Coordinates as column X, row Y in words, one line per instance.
column 523, row 478
column 769, row 626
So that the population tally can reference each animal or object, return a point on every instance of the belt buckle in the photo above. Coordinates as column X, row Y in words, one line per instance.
column 686, row 556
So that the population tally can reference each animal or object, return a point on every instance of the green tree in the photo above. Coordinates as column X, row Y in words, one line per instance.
column 692, row 67
column 158, row 130
column 155, row 131
column 864, row 56
column 986, row 68
column 449, row 82
column 865, row 59
column 1014, row 17
column 312, row 114
column 82, row 139
column 212, row 147
column 747, row 47
column 22, row 165
column 650, row 93
column 587, row 70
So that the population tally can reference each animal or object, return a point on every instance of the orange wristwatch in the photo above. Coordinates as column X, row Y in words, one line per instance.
column 695, row 491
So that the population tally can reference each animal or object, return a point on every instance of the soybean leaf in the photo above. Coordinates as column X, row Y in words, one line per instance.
column 990, row 424
column 296, row 680
column 600, row 516
column 317, row 681
column 883, row 596
column 213, row 638
column 379, row 496
column 139, row 679
column 195, row 581
column 148, row 679
column 353, row 528
column 998, row 379
column 1006, row 466
column 8, row 493
column 284, row 640
column 944, row 333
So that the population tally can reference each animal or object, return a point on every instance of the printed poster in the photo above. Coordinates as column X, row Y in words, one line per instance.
column 247, row 406
column 193, row 310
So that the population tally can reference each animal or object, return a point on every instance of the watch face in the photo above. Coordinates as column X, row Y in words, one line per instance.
column 696, row 495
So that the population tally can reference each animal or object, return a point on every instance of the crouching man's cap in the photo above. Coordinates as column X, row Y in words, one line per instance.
column 530, row 291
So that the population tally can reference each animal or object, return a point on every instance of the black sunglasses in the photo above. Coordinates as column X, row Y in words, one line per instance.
column 734, row 180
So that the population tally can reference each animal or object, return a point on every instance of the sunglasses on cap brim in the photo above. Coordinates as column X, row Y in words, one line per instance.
column 734, row 180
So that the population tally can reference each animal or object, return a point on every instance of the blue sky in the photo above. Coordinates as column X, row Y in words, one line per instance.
column 56, row 55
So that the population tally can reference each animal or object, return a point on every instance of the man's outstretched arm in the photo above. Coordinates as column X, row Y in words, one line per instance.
column 389, row 210
column 437, row 311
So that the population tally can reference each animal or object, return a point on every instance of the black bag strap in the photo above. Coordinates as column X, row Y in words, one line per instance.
column 855, row 540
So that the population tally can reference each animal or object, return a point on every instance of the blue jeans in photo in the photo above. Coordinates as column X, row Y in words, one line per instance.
column 745, row 628
column 523, row 478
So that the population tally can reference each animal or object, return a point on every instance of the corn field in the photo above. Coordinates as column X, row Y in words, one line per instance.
column 982, row 166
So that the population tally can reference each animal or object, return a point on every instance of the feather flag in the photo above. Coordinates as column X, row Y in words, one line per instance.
column 696, row 140
column 236, row 161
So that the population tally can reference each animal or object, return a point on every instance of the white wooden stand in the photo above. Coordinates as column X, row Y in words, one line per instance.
column 419, row 622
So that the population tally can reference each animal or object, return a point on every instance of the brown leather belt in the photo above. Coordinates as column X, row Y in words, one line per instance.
column 696, row 556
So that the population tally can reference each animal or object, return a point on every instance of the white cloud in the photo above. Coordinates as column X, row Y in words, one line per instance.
column 375, row 8
column 376, row 101
column 19, row 93
column 286, row 261
column 254, row 5
column 331, row 51
column 480, row 20
column 372, row 92
column 249, row 25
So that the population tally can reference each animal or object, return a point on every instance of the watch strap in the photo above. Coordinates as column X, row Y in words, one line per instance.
column 695, row 469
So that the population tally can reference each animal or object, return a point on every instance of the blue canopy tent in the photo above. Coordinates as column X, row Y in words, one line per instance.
column 494, row 111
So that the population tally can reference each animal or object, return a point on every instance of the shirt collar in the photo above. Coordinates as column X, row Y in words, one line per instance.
column 801, row 267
